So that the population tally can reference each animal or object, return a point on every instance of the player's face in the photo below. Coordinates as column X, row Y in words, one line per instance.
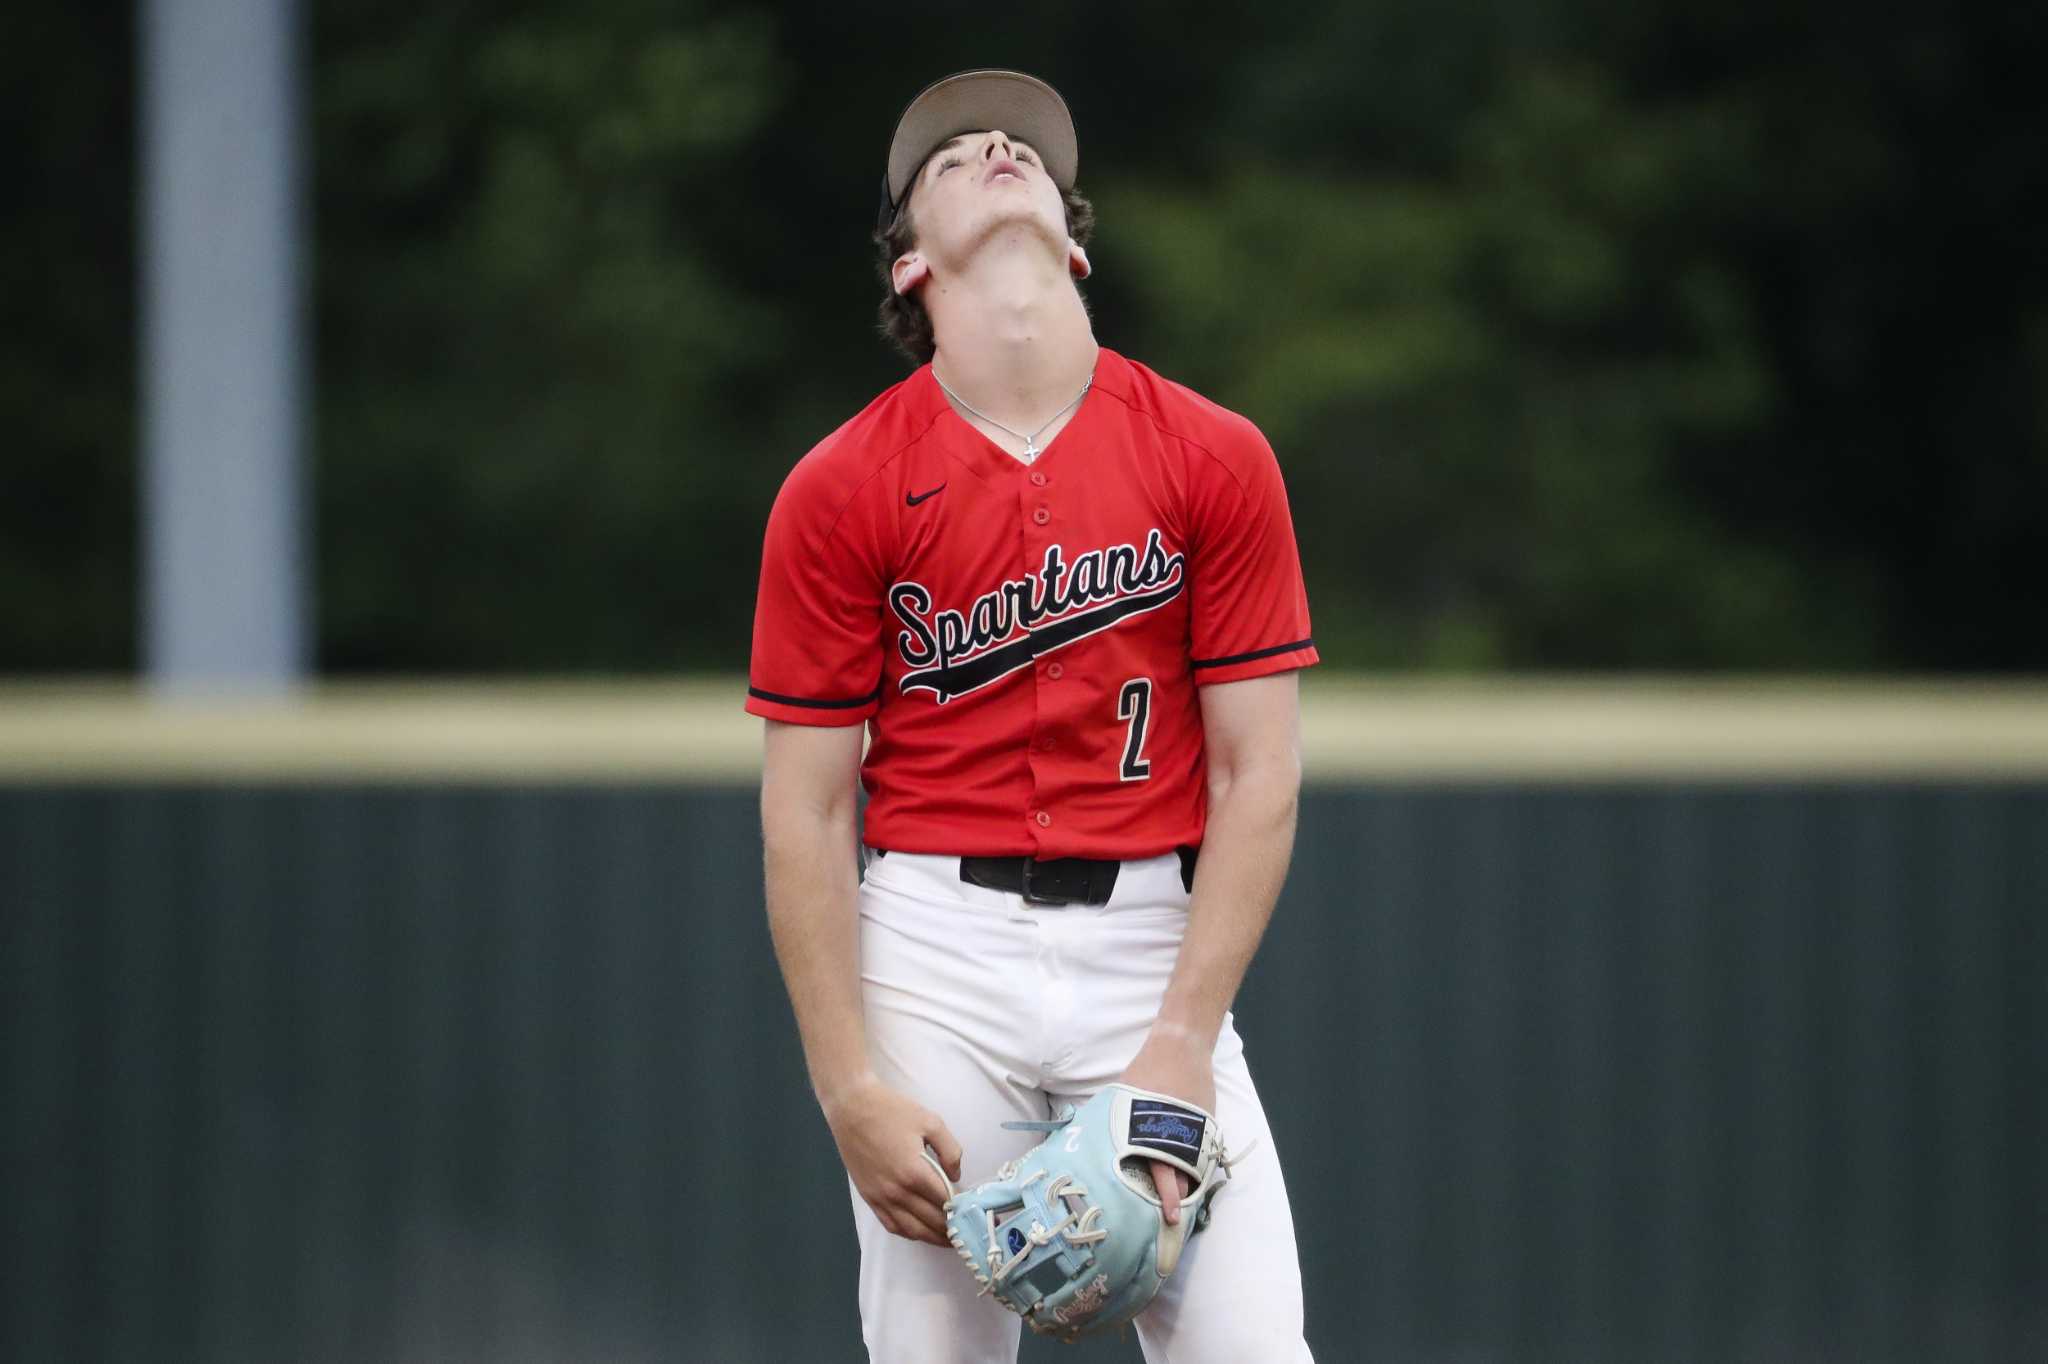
column 977, row 184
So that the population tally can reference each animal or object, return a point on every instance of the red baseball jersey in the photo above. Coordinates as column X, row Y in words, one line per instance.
column 1026, row 640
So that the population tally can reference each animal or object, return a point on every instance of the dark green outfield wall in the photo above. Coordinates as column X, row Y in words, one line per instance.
column 1642, row 1073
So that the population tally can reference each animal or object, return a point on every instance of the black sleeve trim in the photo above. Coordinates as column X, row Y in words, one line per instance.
column 781, row 700
column 1246, row 658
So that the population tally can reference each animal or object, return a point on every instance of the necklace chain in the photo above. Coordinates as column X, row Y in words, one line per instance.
column 1031, row 450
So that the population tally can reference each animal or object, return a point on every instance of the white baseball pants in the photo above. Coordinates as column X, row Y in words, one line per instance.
column 987, row 1008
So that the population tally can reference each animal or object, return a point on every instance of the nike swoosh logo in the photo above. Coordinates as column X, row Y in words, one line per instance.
column 912, row 499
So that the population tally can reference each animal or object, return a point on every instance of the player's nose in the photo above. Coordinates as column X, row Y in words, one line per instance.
column 995, row 145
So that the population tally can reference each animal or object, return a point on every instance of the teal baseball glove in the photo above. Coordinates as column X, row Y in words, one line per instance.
column 1069, row 1235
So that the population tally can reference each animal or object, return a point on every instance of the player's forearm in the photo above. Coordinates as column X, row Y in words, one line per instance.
column 1246, row 848
column 811, row 889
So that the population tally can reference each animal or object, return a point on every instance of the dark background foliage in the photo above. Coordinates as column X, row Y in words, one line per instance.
column 1590, row 336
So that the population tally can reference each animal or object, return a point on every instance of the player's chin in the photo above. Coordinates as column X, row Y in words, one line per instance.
column 1021, row 219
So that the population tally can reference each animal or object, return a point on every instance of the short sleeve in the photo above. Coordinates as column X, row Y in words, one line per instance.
column 817, row 655
column 1248, row 612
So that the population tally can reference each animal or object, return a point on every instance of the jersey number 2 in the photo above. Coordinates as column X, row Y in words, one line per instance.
column 1134, row 703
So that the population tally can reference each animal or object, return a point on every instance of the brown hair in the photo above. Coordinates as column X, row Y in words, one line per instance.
column 904, row 319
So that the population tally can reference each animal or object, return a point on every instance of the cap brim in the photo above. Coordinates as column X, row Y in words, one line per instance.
column 973, row 101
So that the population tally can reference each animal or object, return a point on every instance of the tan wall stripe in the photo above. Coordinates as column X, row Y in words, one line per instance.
column 1353, row 727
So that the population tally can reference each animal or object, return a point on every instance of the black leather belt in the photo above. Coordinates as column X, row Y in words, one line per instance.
column 1059, row 880
column 1055, row 881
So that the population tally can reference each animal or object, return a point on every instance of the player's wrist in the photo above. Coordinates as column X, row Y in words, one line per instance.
column 1181, row 1037
column 836, row 1094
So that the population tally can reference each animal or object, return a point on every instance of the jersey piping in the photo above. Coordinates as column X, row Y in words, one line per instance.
column 1246, row 658
column 815, row 703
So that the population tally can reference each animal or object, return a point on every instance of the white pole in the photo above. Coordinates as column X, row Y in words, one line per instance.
column 223, row 557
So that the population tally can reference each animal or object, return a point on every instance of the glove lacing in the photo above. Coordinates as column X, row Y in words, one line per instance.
column 1079, row 1227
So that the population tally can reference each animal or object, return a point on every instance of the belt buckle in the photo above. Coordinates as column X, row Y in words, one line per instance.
column 1032, row 896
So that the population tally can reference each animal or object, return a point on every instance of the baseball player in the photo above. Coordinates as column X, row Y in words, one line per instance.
column 1063, row 597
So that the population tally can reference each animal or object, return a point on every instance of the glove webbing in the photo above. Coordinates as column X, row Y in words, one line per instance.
column 1084, row 1232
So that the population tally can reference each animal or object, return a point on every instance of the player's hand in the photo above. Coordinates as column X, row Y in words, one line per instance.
column 882, row 1134
column 1180, row 1069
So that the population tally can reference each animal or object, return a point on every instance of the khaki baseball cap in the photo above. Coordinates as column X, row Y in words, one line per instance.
column 970, row 101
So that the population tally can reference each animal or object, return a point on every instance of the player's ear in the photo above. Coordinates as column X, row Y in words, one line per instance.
column 1077, row 259
column 909, row 271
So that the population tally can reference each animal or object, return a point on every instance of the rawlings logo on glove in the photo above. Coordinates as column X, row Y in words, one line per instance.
column 1069, row 1235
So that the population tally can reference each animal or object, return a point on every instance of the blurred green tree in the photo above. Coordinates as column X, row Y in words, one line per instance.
column 67, row 339
column 524, row 340
column 1487, row 381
